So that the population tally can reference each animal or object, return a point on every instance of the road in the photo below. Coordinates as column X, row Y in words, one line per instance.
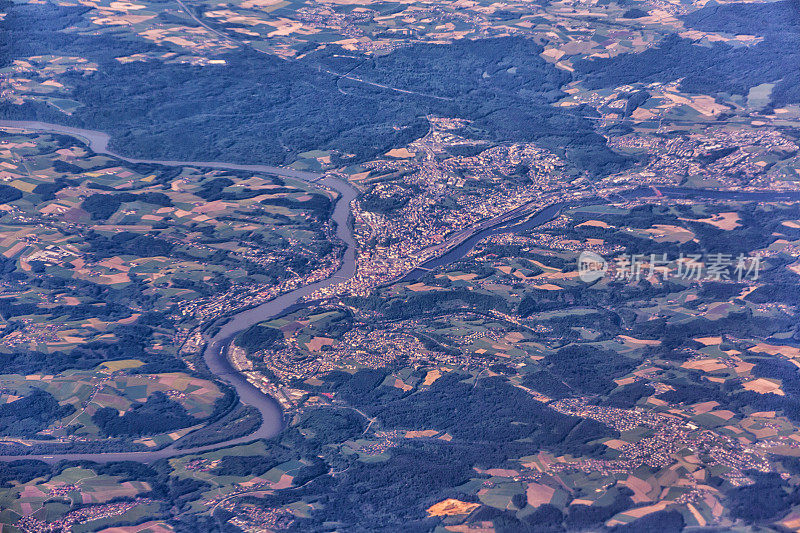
column 215, row 354
column 321, row 69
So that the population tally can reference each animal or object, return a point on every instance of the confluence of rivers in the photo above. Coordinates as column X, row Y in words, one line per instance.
column 215, row 354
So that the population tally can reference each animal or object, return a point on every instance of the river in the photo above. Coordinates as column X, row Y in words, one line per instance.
column 529, row 221
column 98, row 142
column 215, row 354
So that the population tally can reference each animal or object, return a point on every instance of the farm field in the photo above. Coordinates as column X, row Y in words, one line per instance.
column 424, row 266
column 108, row 269
column 676, row 410
column 187, row 241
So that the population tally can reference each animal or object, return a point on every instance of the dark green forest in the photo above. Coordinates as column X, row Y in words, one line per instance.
column 719, row 67
column 33, row 413
column 259, row 108
column 158, row 414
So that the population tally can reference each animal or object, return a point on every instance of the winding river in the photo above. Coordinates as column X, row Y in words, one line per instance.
column 215, row 354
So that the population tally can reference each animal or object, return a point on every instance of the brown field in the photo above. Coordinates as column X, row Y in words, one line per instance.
column 400, row 384
column 400, row 153
column 462, row 277
column 431, row 376
column 539, row 494
column 418, row 287
column 640, row 489
column 594, row 223
column 706, row 365
column 317, row 343
column 644, row 511
column 724, row 414
column 643, row 342
column 726, row 221
column 705, row 407
column 709, row 341
column 501, row 472
column 148, row 527
column 763, row 386
column 514, row 336
column 786, row 351
column 791, row 522
column 451, row 506
column 615, row 444
column 667, row 232
column 421, row 433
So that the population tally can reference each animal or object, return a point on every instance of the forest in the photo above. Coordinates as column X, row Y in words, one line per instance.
column 717, row 68
column 128, row 345
column 31, row 414
column 258, row 337
column 507, row 414
column 102, row 206
column 273, row 106
column 253, row 465
column 578, row 370
column 212, row 189
column 159, row 414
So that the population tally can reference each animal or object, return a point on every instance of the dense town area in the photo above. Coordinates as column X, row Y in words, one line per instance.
column 511, row 267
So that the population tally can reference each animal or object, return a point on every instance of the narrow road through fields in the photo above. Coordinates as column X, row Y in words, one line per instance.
column 321, row 69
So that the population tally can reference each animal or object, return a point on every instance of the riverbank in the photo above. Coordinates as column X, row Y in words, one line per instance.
column 215, row 354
